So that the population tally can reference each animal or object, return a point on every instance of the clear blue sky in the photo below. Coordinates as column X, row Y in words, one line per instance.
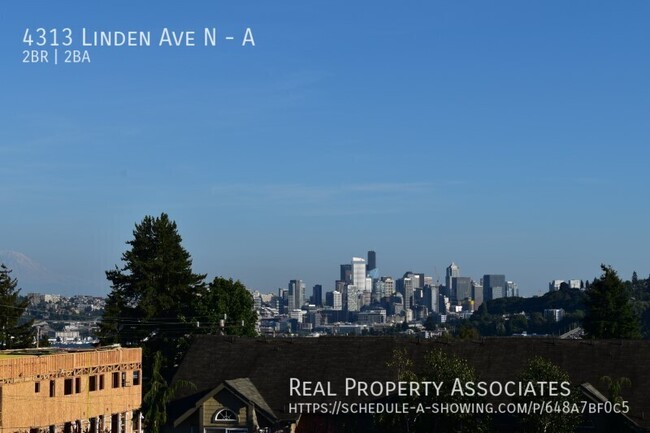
column 510, row 137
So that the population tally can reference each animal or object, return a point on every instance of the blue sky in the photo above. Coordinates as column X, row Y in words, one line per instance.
column 510, row 137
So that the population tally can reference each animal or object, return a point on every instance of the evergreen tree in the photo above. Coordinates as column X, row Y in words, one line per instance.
column 154, row 296
column 13, row 334
column 609, row 312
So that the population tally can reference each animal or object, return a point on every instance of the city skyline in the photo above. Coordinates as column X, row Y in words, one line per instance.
column 509, row 138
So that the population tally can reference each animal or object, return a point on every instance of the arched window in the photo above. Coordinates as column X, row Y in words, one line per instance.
column 224, row 415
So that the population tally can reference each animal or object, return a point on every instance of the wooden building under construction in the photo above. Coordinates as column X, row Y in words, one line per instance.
column 95, row 390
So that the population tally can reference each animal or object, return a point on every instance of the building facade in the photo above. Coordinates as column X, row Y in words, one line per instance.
column 494, row 286
column 55, row 391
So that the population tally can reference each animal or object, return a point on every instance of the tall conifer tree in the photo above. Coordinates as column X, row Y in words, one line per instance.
column 13, row 334
column 155, row 295
column 609, row 311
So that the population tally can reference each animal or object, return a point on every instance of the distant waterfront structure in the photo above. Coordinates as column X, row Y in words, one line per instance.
column 494, row 286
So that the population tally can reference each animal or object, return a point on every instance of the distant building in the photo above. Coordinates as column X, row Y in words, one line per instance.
column 389, row 286
column 554, row 285
column 352, row 298
column 461, row 289
column 56, row 391
column 370, row 317
column 554, row 314
column 334, row 300
column 346, row 273
column 452, row 271
column 372, row 261
column 512, row 290
column 317, row 295
column 494, row 286
column 477, row 294
column 296, row 294
column 575, row 284
column 431, row 295
column 405, row 287
column 359, row 274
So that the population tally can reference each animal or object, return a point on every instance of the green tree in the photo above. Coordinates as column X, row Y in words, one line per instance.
column 453, row 373
column 540, row 370
column 615, row 387
column 159, row 395
column 466, row 331
column 230, row 301
column 154, row 296
column 402, row 364
column 13, row 333
column 609, row 313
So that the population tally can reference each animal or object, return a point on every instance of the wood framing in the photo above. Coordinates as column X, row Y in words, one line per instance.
column 74, row 391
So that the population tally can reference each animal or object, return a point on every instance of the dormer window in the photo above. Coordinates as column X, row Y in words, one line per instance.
column 224, row 415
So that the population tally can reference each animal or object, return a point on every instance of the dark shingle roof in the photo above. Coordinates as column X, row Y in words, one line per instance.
column 270, row 363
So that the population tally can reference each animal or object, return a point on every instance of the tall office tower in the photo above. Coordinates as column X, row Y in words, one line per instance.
column 419, row 284
column 494, row 286
column 333, row 299
column 477, row 294
column 428, row 281
column 377, row 290
column 431, row 298
column 346, row 274
column 317, row 295
column 296, row 294
column 511, row 289
column 389, row 286
column 352, row 298
column 372, row 261
column 359, row 273
column 283, row 300
column 365, row 298
column 405, row 287
column 452, row 271
column 418, row 296
column 461, row 289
